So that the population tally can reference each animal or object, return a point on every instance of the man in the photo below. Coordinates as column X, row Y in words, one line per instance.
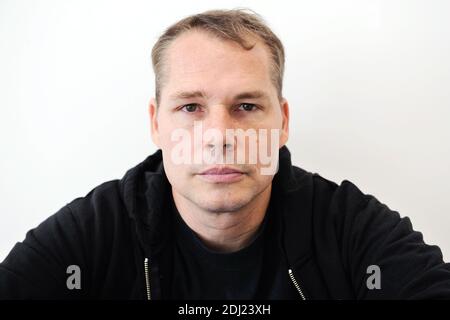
column 202, row 219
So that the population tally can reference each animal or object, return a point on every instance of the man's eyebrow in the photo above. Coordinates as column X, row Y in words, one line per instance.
column 256, row 94
column 251, row 95
column 188, row 95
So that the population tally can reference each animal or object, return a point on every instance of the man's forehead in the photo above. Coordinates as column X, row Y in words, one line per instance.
column 215, row 67
column 196, row 51
column 198, row 39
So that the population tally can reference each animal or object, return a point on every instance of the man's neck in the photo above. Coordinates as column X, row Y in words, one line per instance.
column 225, row 231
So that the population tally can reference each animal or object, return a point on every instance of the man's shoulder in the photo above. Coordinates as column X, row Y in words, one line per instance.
column 101, row 206
column 345, row 193
column 105, row 194
column 328, row 190
column 116, row 200
column 330, row 199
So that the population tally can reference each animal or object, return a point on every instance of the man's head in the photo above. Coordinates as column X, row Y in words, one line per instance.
column 223, row 70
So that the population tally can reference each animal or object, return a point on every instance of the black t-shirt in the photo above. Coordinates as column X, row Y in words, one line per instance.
column 258, row 271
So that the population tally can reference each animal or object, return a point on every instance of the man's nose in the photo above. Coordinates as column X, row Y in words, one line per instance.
column 216, row 124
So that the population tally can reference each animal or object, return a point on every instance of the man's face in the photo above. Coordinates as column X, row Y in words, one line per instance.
column 221, row 70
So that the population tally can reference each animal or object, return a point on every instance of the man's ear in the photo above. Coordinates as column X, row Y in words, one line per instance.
column 285, row 124
column 153, row 112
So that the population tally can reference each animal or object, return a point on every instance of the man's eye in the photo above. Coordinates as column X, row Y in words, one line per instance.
column 192, row 107
column 246, row 106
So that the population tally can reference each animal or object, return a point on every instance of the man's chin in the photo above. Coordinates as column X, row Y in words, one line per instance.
column 222, row 205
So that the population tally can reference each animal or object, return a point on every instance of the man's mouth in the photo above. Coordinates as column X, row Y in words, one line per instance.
column 222, row 174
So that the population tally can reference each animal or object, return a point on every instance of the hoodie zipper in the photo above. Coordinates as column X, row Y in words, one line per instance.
column 147, row 279
column 296, row 284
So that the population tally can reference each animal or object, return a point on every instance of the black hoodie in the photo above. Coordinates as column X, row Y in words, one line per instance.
column 118, row 235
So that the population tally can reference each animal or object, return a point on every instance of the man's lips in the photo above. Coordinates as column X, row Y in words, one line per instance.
column 221, row 170
column 222, row 174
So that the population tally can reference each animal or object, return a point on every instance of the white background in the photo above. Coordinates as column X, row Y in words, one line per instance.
column 368, row 84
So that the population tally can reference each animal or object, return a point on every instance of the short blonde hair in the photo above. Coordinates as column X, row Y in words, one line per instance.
column 232, row 25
